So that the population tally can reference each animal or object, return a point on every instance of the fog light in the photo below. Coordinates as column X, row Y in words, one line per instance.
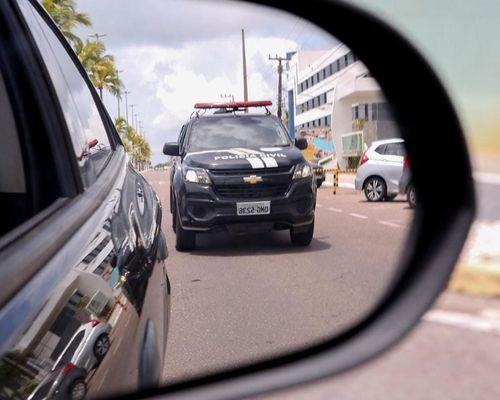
column 199, row 212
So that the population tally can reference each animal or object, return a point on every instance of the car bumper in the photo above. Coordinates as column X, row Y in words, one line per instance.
column 202, row 209
column 358, row 183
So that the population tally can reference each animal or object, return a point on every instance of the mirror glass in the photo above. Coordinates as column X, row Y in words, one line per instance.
column 271, row 249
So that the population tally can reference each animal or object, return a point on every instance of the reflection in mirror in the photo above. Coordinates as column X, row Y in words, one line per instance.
column 284, row 222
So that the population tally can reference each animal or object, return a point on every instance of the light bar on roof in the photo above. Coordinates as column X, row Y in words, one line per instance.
column 235, row 104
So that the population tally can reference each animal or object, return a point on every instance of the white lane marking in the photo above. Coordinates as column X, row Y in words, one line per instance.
column 319, row 205
column 358, row 216
column 117, row 345
column 391, row 224
column 103, row 379
column 255, row 163
column 487, row 177
column 270, row 162
column 335, row 209
column 463, row 320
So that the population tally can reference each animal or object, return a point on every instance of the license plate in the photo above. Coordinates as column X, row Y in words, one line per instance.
column 253, row 208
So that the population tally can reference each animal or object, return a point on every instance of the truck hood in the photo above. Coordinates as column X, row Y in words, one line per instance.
column 245, row 158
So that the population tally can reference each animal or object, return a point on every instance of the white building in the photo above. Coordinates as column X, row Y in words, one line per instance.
column 335, row 103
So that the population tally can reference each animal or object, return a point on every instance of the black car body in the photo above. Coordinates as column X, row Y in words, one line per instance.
column 234, row 177
column 80, row 232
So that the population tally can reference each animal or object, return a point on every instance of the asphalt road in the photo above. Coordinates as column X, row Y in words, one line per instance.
column 238, row 299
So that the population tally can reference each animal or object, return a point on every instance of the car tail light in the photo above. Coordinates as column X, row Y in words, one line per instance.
column 95, row 322
column 363, row 159
column 68, row 367
column 406, row 161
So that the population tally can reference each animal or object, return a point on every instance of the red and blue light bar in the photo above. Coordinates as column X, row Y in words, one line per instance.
column 235, row 104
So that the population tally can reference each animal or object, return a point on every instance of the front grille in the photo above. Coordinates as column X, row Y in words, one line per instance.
column 250, row 191
column 250, row 171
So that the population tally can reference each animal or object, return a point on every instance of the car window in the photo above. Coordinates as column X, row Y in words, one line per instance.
column 243, row 131
column 395, row 149
column 13, row 188
column 380, row 149
column 70, row 350
column 88, row 133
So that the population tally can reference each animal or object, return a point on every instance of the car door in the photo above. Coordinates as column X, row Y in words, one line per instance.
column 393, row 159
column 86, row 242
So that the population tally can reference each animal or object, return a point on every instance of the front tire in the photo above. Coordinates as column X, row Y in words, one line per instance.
column 411, row 196
column 375, row 189
column 303, row 237
column 101, row 346
column 184, row 240
column 318, row 184
column 77, row 389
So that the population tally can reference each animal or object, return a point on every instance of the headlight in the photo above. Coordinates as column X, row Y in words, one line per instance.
column 196, row 175
column 302, row 171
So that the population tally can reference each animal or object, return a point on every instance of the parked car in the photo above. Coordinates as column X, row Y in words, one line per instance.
column 239, row 172
column 80, row 233
column 319, row 173
column 380, row 169
column 66, row 382
column 88, row 346
column 406, row 185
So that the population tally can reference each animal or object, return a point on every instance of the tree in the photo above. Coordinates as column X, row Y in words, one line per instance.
column 135, row 144
column 99, row 66
column 65, row 15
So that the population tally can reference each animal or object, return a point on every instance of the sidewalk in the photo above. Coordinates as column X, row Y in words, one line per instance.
column 346, row 181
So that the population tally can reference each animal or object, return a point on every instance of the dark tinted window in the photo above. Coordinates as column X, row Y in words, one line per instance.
column 85, row 125
column 395, row 149
column 70, row 350
column 380, row 149
column 230, row 132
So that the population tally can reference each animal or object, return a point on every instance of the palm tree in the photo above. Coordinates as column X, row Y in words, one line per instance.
column 65, row 15
column 99, row 66
column 135, row 144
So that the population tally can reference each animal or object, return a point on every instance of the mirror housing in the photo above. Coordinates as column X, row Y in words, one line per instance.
column 171, row 149
column 301, row 143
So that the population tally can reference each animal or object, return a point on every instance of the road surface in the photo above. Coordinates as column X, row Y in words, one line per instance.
column 238, row 299
column 235, row 300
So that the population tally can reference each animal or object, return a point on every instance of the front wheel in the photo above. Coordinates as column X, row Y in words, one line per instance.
column 78, row 389
column 318, row 184
column 411, row 196
column 375, row 189
column 184, row 240
column 101, row 346
column 303, row 237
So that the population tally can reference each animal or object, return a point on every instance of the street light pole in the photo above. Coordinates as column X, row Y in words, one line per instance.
column 126, row 104
column 136, row 115
column 132, row 107
column 119, row 94
column 245, row 87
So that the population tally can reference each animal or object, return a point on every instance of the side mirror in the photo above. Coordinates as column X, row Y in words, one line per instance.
column 171, row 149
column 301, row 143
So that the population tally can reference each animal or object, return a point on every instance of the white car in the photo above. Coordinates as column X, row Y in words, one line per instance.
column 87, row 347
column 380, row 169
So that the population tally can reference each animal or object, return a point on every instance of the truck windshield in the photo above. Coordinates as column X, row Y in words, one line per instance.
column 241, row 131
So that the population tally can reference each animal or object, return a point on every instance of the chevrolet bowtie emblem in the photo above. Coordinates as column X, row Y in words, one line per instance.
column 252, row 179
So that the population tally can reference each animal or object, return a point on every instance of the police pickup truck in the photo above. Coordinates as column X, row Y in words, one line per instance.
column 240, row 172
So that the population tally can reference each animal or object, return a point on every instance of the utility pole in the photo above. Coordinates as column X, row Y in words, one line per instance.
column 280, row 72
column 119, row 94
column 227, row 96
column 245, row 87
column 97, row 35
column 126, row 104
column 132, row 115
column 136, row 127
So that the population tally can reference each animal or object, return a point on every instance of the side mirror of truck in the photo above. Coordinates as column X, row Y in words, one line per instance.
column 301, row 143
column 171, row 149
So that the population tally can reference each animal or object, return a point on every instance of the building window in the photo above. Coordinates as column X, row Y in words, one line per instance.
column 317, row 77
column 355, row 112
